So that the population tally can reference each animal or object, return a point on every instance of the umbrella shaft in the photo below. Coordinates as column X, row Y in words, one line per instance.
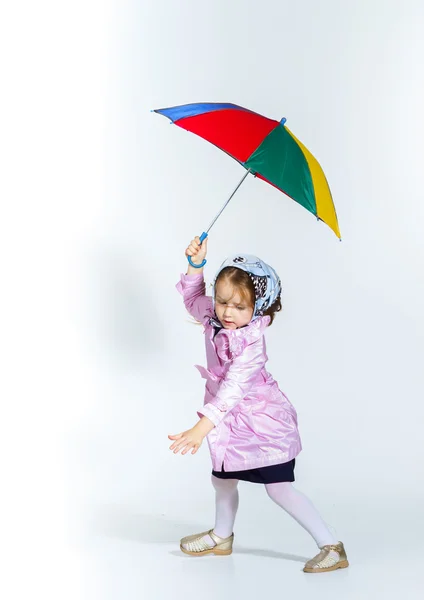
column 222, row 209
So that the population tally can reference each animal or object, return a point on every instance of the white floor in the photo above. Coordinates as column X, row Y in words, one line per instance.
column 128, row 556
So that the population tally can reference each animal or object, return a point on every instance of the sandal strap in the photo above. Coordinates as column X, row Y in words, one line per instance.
column 217, row 539
column 335, row 547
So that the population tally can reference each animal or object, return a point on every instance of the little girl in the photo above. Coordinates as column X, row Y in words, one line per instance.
column 251, row 426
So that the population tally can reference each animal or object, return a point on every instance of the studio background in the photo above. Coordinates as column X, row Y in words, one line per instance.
column 104, row 348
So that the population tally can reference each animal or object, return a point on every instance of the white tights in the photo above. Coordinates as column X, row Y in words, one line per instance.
column 284, row 494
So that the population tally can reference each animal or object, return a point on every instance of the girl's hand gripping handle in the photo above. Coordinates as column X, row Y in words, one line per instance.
column 197, row 250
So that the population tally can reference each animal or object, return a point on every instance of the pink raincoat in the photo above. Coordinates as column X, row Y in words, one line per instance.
column 255, row 424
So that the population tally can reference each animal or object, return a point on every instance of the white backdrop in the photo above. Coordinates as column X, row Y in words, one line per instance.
column 112, row 350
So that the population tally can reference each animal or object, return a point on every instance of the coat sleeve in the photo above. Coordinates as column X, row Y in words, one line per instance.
column 192, row 288
column 237, row 382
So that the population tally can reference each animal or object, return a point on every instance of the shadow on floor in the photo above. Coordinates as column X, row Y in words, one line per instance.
column 117, row 522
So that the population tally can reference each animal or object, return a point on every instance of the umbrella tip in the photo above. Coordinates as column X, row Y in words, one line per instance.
column 283, row 120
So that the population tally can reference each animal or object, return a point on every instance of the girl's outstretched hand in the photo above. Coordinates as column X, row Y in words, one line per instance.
column 192, row 438
column 189, row 440
column 196, row 250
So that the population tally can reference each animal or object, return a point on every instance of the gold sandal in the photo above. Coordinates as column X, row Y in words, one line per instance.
column 323, row 562
column 197, row 546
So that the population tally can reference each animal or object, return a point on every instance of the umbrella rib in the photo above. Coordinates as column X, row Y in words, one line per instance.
column 226, row 203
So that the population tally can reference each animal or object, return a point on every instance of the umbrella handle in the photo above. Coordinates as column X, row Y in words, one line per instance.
column 202, row 264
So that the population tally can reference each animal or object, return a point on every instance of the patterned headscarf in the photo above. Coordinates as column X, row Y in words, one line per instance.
column 265, row 280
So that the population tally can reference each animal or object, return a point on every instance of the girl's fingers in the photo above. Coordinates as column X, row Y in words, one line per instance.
column 187, row 448
column 177, row 441
column 185, row 445
column 180, row 444
column 175, row 438
column 194, row 247
column 175, row 446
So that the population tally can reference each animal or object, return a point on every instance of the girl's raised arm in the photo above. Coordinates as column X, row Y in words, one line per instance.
column 192, row 285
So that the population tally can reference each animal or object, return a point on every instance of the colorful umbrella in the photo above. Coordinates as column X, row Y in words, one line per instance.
column 266, row 148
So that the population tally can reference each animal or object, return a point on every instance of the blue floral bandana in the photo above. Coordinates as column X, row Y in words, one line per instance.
column 265, row 280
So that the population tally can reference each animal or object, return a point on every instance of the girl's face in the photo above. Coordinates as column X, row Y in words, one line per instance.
column 232, row 310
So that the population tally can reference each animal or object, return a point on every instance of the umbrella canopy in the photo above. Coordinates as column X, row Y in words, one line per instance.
column 266, row 147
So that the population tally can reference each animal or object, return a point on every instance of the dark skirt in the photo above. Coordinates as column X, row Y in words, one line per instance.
column 272, row 474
